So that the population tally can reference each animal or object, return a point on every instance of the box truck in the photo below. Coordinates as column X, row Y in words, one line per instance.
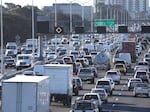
column 60, row 82
column 25, row 94
column 129, row 47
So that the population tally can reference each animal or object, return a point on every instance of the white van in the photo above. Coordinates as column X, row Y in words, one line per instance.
column 11, row 49
column 127, row 58
column 23, row 61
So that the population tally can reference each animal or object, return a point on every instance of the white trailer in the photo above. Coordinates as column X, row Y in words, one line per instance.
column 25, row 94
column 60, row 82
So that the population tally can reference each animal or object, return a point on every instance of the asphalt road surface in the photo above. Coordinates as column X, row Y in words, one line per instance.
column 122, row 100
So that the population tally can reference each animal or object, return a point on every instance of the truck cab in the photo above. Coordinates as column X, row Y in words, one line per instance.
column 23, row 61
column 94, row 97
column 84, row 106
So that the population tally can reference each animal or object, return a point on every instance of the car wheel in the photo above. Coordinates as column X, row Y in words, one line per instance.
column 100, row 109
column 92, row 81
column 147, row 95
column 128, row 89
column 135, row 95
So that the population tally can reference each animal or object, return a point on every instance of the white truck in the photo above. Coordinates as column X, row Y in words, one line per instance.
column 23, row 61
column 11, row 49
column 30, row 43
column 26, row 94
column 60, row 82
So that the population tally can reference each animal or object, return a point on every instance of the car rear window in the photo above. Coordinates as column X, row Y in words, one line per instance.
column 103, row 83
column 111, row 73
column 85, row 70
column 141, row 73
column 84, row 105
column 90, row 97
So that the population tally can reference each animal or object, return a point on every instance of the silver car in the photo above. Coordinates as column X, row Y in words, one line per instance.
column 141, row 89
column 102, row 93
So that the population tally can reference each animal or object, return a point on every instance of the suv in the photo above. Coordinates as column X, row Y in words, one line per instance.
column 132, row 82
column 9, row 63
column 114, row 74
column 86, row 74
column 102, row 93
column 143, row 75
column 141, row 89
column 95, row 97
column 84, row 106
column 23, row 61
column 121, row 67
column 106, row 84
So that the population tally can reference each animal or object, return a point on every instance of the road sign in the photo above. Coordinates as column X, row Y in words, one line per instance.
column 79, row 30
column 104, row 22
column 58, row 30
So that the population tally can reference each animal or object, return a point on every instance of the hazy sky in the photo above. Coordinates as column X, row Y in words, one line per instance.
column 41, row 3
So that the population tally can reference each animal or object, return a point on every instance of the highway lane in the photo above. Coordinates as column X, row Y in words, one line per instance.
column 122, row 100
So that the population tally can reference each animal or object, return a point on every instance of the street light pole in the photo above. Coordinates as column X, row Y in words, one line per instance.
column 2, row 55
column 33, row 47
column 55, row 25
column 82, row 15
column 70, row 18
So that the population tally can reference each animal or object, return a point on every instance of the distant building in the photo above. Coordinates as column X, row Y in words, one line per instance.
column 134, row 7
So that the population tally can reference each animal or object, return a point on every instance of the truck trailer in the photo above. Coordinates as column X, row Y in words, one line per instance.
column 60, row 82
column 25, row 94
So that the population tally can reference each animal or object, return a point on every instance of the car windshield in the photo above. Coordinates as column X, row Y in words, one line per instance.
column 103, row 83
column 111, row 73
column 141, row 85
column 141, row 73
column 142, row 63
column 90, row 97
column 9, row 60
column 85, row 70
column 119, row 66
column 23, row 57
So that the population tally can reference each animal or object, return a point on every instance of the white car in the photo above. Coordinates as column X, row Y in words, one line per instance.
column 132, row 82
column 23, row 61
column 141, row 89
column 78, row 82
column 106, row 84
column 51, row 55
column 102, row 93
column 84, row 106
column 94, row 97
column 114, row 74
column 142, row 74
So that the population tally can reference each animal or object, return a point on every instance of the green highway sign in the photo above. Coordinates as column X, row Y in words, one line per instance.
column 104, row 22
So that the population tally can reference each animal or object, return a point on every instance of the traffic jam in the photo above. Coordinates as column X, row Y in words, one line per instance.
column 99, row 62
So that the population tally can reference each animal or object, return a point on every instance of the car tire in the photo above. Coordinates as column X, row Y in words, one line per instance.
column 100, row 109
column 147, row 95
column 92, row 81
column 128, row 89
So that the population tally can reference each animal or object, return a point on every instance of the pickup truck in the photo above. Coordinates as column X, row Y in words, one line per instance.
column 94, row 97
column 106, row 84
column 86, row 74
column 84, row 106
